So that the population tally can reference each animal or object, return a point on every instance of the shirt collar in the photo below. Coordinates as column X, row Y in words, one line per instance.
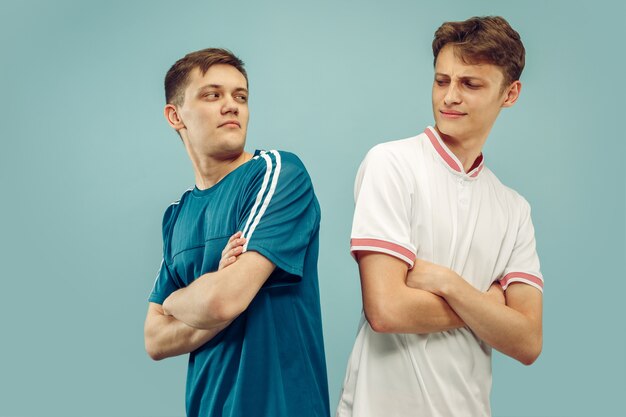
column 450, row 159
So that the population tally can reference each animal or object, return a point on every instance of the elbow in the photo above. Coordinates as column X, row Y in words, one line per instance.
column 151, row 338
column 152, row 348
column 380, row 320
column 154, row 354
column 153, row 342
column 379, row 326
column 530, row 355
column 528, row 359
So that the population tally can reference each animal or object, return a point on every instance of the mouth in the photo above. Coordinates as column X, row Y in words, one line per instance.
column 452, row 114
column 230, row 123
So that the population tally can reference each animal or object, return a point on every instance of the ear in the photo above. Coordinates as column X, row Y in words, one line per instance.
column 172, row 117
column 512, row 94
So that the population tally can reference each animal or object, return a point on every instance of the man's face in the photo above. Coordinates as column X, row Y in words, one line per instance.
column 466, row 98
column 215, row 111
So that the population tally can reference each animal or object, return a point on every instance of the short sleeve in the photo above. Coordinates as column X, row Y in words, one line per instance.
column 164, row 285
column 382, row 194
column 523, row 265
column 280, row 215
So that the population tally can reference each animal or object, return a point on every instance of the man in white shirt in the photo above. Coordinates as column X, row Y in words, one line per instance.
column 446, row 253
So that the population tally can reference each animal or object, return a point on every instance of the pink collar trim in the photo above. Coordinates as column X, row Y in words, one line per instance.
column 449, row 158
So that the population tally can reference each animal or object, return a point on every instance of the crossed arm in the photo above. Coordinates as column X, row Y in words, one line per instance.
column 193, row 315
column 166, row 336
column 431, row 298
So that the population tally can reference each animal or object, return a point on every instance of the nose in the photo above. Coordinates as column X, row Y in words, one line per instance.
column 452, row 95
column 230, row 106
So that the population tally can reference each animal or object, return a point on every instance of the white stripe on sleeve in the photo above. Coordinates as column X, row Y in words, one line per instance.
column 268, row 197
column 266, row 179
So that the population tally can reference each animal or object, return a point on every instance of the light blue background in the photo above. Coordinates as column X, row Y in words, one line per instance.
column 88, row 164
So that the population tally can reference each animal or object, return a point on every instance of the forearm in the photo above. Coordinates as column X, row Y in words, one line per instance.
column 510, row 323
column 216, row 298
column 415, row 311
column 194, row 309
column 165, row 336
column 502, row 327
column 198, row 306
column 392, row 307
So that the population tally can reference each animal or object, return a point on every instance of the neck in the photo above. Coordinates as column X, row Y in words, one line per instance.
column 210, row 170
column 465, row 149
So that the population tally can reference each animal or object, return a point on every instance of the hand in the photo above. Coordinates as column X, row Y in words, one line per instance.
column 496, row 293
column 429, row 277
column 232, row 250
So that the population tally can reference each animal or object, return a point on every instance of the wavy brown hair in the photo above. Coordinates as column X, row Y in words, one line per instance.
column 484, row 40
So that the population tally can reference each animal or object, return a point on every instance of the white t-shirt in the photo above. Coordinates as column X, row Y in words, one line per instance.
column 414, row 200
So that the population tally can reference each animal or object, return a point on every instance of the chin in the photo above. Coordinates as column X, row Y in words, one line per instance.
column 449, row 127
column 233, row 147
column 233, row 141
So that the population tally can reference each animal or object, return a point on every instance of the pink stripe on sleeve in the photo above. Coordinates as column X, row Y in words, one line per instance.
column 377, row 245
column 521, row 277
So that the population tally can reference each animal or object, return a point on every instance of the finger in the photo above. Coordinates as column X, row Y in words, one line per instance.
column 232, row 243
column 235, row 236
column 227, row 261
column 236, row 251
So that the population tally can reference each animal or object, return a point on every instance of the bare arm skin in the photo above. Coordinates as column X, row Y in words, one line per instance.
column 514, row 329
column 217, row 298
column 166, row 336
column 393, row 307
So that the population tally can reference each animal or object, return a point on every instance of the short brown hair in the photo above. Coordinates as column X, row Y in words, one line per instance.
column 177, row 77
column 489, row 40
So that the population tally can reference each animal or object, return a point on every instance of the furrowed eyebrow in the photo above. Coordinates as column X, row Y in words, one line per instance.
column 469, row 78
column 465, row 78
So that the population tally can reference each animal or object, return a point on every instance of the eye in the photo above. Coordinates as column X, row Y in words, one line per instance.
column 242, row 98
column 473, row 86
column 441, row 82
column 211, row 95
